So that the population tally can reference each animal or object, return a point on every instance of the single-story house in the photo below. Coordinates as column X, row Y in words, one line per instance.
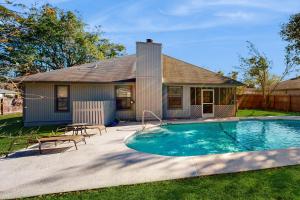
column 7, row 93
column 10, row 102
column 148, row 80
column 289, row 87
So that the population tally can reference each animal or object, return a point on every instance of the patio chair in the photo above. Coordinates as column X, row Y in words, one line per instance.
column 62, row 138
column 99, row 127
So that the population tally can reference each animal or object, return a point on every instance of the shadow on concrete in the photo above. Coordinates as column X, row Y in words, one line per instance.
column 246, row 161
column 35, row 152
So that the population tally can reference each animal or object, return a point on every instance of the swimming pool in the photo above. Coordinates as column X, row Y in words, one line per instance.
column 217, row 137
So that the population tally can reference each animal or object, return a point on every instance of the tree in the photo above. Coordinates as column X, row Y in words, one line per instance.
column 233, row 75
column 256, row 70
column 290, row 32
column 220, row 72
column 40, row 39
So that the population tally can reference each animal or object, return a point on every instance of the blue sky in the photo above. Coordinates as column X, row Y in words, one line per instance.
column 208, row 33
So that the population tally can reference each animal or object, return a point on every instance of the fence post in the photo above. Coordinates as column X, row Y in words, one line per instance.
column 2, row 107
column 290, row 103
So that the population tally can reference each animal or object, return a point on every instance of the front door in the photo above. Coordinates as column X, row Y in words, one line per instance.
column 207, row 103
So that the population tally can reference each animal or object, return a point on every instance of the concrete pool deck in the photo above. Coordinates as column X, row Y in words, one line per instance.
column 106, row 161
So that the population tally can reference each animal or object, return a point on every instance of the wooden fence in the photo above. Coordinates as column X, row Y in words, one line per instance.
column 289, row 103
column 93, row 112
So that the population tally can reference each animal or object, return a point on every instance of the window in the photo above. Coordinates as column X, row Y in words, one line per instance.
column 195, row 96
column 124, row 97
column 175, row 97
column 62, row 98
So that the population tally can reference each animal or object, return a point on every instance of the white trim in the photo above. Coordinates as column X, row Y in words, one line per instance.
column 213, row 103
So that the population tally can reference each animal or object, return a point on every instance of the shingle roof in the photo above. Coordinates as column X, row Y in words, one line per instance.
column 123, row 68
column 111, row 70
column 293, row 83
column 177, row 71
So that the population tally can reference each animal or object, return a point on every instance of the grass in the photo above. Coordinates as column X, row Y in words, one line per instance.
column 256, row 113
column 11, row 127
column 279, row 183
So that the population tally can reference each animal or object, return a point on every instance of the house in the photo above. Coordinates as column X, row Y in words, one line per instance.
column 9, row 102
column 251, row 91
column 7, row 93
column 148, row 80
column 289, row 87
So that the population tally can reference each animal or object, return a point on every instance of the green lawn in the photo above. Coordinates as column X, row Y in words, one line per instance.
column 280, row 183
column 11, row 127
column 255, row 113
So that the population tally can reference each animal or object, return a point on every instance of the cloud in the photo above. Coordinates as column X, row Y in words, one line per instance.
column 191, row 7
column 239, row 15
column 54, row 2
column 154, row 16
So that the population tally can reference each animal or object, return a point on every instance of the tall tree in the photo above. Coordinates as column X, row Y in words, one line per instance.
column 256, row 70
column 40, row 39
column 290, row 32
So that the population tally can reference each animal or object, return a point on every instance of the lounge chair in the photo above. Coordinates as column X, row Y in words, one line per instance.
column 63, row 138
column 99, row 127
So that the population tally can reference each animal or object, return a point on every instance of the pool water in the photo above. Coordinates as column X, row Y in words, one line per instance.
column 217, row 137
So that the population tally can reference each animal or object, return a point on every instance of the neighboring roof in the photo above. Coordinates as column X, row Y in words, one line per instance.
column 291, row 84
column 123, row 69
column 251, row 91
column 3, row 91
column 111, row 70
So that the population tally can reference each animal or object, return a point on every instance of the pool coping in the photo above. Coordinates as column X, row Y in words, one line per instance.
column 201, row 120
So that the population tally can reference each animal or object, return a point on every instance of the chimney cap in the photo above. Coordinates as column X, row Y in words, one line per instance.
column 149, row 40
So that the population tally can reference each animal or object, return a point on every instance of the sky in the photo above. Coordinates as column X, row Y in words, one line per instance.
column 207, row 33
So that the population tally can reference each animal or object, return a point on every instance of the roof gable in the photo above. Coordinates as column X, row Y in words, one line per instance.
column 178, row 71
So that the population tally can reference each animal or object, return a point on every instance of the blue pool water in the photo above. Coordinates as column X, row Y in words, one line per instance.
column 217, row 137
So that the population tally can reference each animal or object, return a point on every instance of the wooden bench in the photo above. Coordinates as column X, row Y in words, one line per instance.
column 63, row 138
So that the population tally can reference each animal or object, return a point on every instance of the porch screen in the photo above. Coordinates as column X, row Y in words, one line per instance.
column 226, row 96
column 175, row 94
column 195, row 96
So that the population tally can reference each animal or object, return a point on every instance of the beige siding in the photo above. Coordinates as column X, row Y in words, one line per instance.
column 148, row 79
column 40, row 102
column 39, row 108
column 177, row 113
column 92, row 92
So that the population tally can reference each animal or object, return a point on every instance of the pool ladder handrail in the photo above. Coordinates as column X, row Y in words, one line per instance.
column 143, row 118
